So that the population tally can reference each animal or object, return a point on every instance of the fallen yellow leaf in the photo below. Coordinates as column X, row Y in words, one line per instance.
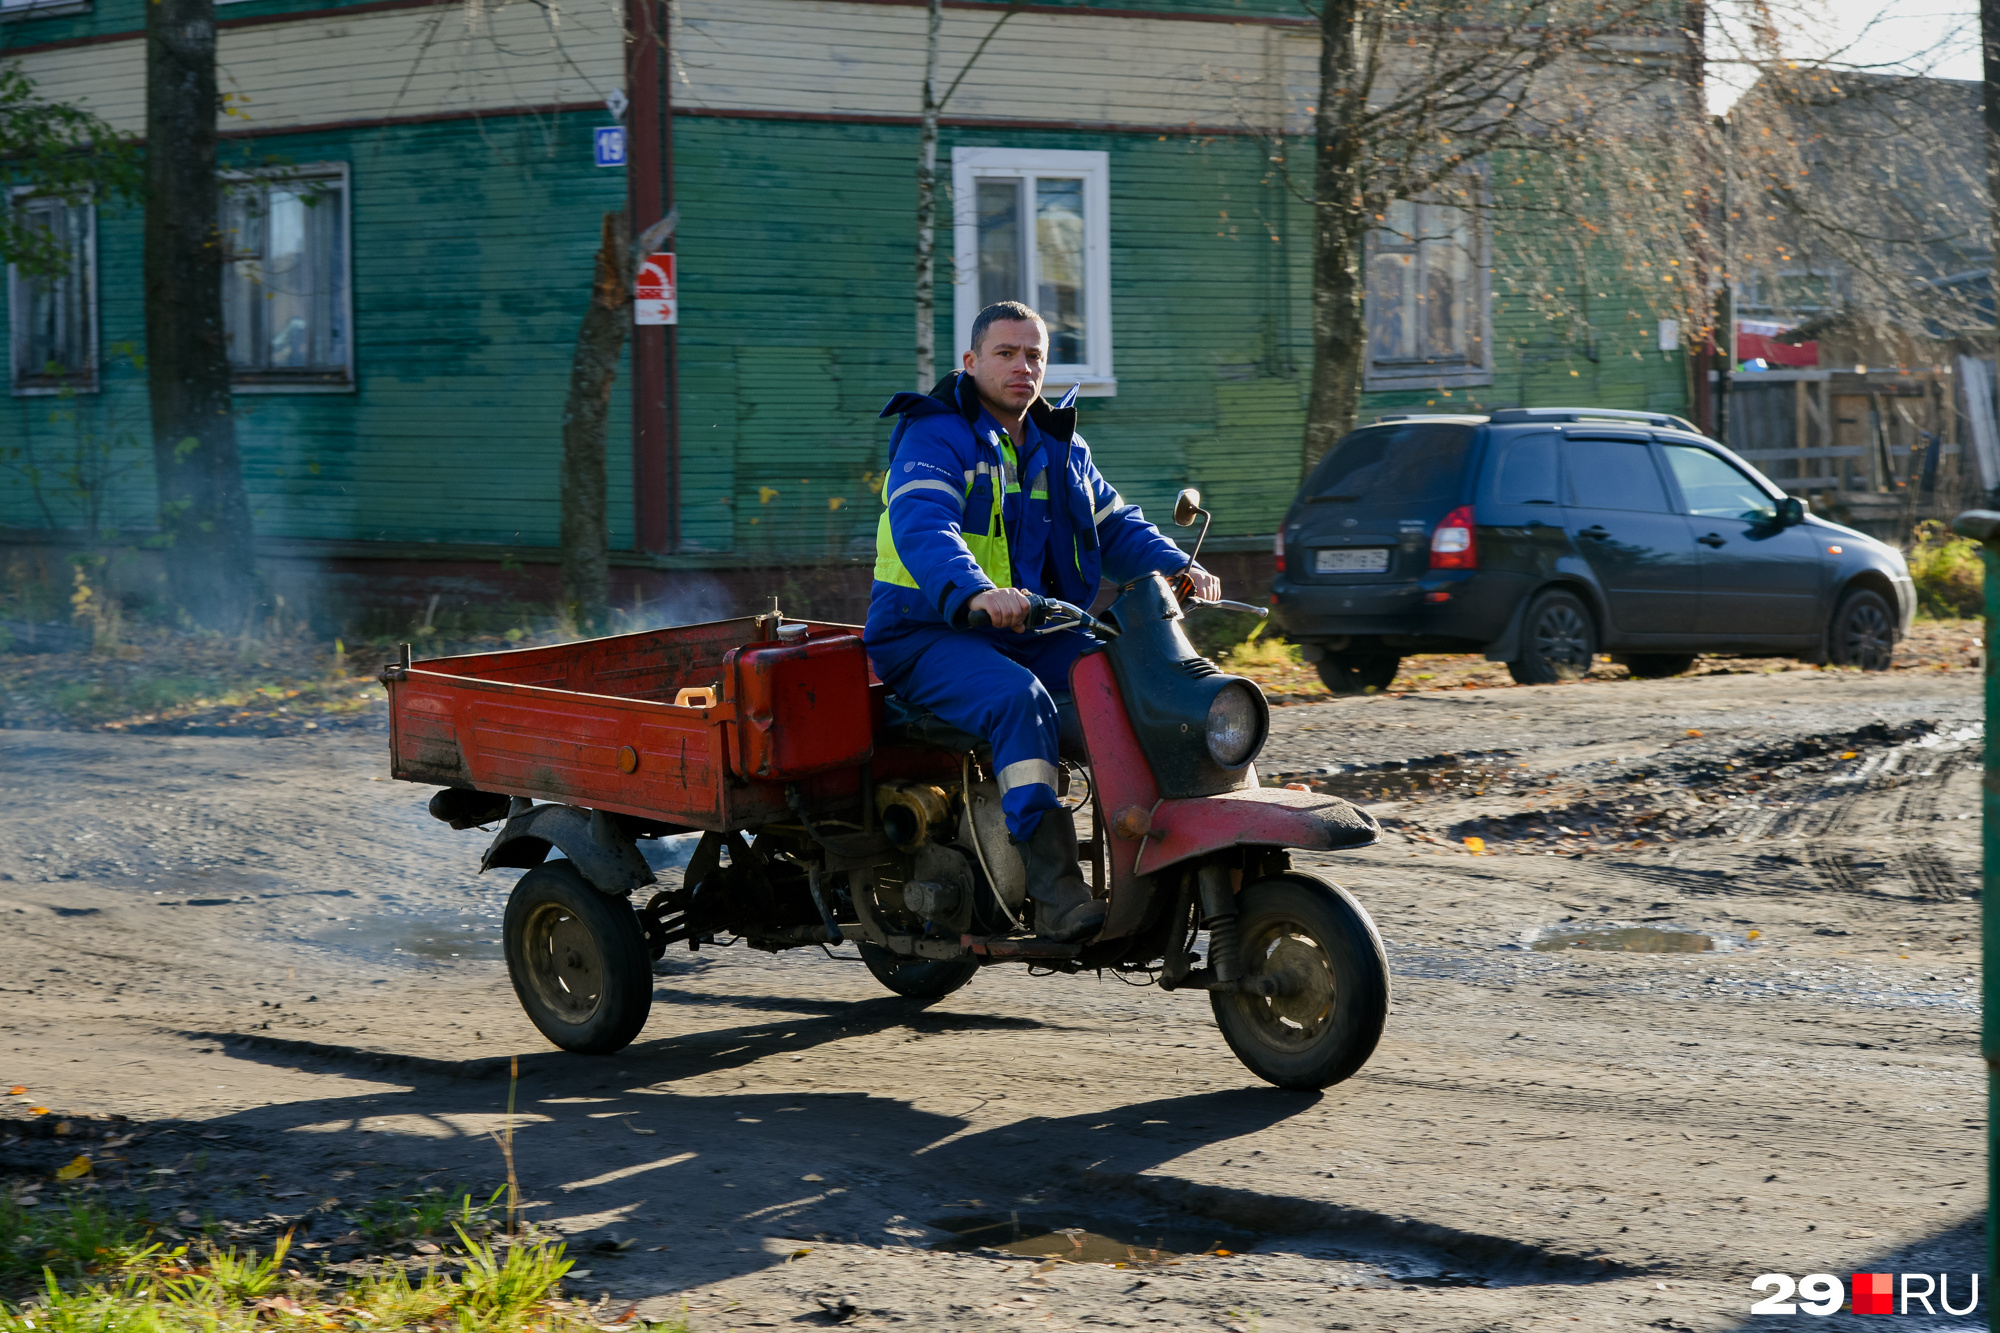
column 1694, row 731
column 38, row 1110
column 17, row 1091
column 1849, row 755
column 1475, row 845
column 79, row 1165
column 1753, row 934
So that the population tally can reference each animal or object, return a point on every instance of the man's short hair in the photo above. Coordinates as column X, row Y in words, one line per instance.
column 995, row 313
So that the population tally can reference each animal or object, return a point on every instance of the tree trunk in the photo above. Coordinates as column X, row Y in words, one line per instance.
column 927, row 209
column 1340, row 340
column 204, row 514
column 586, row 544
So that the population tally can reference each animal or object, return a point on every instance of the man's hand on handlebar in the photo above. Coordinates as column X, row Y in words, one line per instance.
column 1007, row 608
column 1206, row 587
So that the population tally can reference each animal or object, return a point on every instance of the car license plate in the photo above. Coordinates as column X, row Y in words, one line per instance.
column 1366, row 560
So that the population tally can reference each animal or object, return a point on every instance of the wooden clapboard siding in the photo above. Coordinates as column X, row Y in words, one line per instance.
column 802, row 57
column 472, row 244
column 828, row 57
column 329, row 68
column 472, row 252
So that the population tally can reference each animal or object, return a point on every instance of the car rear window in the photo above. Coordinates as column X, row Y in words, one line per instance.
column 1410, row 466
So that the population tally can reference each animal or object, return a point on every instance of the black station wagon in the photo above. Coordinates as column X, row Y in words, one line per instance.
column 1545, row 536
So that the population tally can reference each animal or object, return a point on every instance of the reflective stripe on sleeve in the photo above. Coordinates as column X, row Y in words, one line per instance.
column 909, row 486
column 1026, row 773
column 1097, row 519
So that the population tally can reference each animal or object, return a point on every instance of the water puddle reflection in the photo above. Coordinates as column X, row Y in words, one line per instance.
column 432, row 939
column 1626, row 939
column 1076, row 1241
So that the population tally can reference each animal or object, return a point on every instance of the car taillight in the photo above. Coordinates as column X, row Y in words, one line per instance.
column 1453, row 545
column 1278, row 549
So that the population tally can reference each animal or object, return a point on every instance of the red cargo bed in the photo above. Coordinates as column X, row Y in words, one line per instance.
column 596, row 723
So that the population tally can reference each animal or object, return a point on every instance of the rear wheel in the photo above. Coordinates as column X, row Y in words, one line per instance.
column 578, row 960
column 1658, row 666
column 1358, row 673
column 1320, row 940
column 919, row 979
column 1558, row 641
column 1863, row 633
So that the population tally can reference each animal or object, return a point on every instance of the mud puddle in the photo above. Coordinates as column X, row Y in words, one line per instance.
column 1087, row 1240
column 1446, row 776
column 428, row 939
column 1626, row 939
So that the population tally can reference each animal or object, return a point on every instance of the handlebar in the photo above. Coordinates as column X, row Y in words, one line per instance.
column 1042, row 611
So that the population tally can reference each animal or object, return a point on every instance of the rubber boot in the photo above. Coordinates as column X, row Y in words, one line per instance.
column 1064, row 910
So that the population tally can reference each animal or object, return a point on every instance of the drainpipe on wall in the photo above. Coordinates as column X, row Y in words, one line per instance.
column 1983, row 526
column 649, row 194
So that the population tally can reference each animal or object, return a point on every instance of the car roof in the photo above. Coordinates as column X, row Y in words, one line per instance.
column 1522, row 416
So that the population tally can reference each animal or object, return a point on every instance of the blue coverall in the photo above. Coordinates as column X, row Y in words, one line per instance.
column 1065, row 527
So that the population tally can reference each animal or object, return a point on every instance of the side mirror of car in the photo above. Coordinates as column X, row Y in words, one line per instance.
column 1187, row 507
column 1791, row 511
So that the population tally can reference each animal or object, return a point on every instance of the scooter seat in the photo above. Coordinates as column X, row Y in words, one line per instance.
column 905, row 723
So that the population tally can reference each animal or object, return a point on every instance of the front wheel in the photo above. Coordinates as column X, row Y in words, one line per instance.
column 1320, row 940
column 1863, row 633
column 578, row 960
column 925, row 979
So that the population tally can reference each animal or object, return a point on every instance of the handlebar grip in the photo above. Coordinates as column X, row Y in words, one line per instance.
column 1038, row 611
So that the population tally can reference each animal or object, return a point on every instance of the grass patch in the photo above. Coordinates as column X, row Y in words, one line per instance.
column 1950, row 577
column 90, row 1268
column 386, row 1221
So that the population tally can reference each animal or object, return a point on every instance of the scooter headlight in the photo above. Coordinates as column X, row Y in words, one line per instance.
column 1235, row 726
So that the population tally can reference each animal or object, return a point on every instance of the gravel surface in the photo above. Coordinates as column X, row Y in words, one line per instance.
column 285, row 975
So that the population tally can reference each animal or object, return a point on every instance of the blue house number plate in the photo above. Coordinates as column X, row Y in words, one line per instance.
column 610, row 144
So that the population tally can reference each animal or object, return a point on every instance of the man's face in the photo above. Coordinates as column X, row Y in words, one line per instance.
column 1008, row 364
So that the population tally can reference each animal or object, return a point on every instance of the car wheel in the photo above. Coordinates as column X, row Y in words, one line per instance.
column 1358, row 673
column 1658, row 666
column 578, row 960
column 1863, row 632
column 1558, row 641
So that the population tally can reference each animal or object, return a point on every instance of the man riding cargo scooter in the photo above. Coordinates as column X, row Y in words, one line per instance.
column 991, row 498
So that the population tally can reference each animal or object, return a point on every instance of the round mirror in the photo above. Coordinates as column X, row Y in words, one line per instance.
column 1187, row 507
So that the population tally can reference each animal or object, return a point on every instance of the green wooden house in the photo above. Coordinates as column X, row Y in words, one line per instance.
column 415, row 196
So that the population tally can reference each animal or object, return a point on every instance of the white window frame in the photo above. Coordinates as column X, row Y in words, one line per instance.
column 1451, row 374
column 37, row 9
column 968, row 165
column 310, row 171
column 87, row 382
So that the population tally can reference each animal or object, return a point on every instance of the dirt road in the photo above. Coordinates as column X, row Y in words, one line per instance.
column 287, row 976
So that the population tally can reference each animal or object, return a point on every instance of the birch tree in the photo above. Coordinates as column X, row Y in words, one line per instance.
column 927, row 140
column 1410, row 100
column 204, row 514
column 600, row 340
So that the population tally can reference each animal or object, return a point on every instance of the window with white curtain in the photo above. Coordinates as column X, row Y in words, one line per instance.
column 1034, row 226
column 286, row 293
column 1426, row 295
column 53, row 317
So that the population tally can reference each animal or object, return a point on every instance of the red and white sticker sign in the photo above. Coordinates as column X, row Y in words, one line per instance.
column 653, row 298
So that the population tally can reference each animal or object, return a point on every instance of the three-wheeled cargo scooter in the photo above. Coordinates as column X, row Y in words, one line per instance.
column 829, row 810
